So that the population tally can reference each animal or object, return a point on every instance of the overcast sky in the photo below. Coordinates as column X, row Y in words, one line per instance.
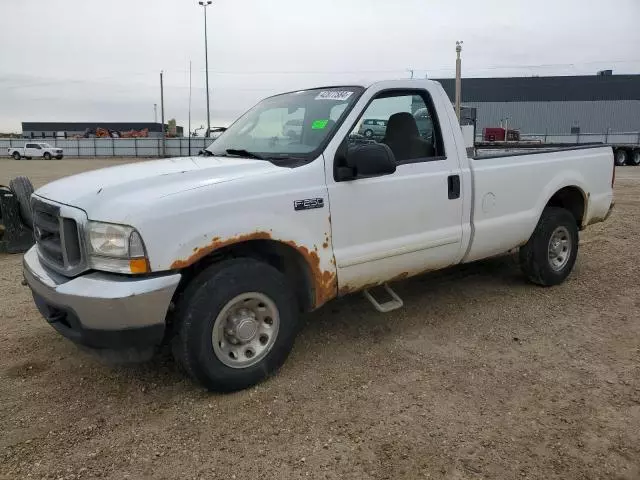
column 99, row 60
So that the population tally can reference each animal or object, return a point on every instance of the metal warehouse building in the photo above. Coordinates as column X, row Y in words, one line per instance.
column 554, row 105
column 72, row 129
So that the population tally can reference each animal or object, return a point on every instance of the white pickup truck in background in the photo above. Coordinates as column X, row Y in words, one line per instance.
column 35, row 150
column 220, row 254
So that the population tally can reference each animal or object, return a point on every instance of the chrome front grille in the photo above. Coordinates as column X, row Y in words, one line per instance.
column 58, row 237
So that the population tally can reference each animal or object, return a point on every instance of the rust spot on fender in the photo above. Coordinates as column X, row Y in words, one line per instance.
column 217, row 243
column 325, row 245
column 324, row 281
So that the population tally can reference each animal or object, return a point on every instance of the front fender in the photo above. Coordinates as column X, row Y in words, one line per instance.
column 182, row 229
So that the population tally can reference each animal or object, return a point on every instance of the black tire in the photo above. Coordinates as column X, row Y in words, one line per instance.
column 368, row 133
column 59, row 157
column 535, row 259
column 620, row 157
column 205, row 297
column 634, row 159
column 22, row 189
column 16, row 155
column 47, row 156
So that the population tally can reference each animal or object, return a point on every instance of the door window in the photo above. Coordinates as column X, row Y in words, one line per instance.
column 405, row 121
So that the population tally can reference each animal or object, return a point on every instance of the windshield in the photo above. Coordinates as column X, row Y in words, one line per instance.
column 289, row 125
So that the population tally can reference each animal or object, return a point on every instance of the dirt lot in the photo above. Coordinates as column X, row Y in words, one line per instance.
column 481, row 375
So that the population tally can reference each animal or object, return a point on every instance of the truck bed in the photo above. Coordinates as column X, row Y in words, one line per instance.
column 521, row 150
column 510, row 191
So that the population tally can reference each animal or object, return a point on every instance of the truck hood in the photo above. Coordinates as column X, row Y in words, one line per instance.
column 143, row 182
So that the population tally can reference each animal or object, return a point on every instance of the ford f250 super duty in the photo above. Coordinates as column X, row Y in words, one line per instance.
column 219, row 254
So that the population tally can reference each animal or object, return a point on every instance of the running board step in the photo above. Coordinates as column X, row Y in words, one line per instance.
column 393, row 304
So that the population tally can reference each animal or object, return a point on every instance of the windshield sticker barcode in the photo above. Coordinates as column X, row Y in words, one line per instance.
column 334, row 95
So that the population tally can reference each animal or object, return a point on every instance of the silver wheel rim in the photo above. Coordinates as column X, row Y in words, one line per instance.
column 636, row 158
column 621, row 157
column 559, row 248
column 245, row 330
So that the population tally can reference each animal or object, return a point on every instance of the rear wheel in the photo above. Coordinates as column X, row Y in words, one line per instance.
column 550, row 254
column 236, row 324
column 16, row 155
column 22, row 189
column 621, row 157
column 47, row 156
column 635, row 158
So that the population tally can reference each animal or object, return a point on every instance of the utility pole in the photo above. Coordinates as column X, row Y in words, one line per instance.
column 205, row 4
column 189, row 142
column 164, row 134
column 458, row 78
column 155, row 113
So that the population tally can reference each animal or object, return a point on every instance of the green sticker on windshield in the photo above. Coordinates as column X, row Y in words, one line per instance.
column 319, row 124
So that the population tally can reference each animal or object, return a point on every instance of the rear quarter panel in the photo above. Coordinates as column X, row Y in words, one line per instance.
column 510, row 193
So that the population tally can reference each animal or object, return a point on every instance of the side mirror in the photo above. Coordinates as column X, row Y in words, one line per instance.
column 366, row 160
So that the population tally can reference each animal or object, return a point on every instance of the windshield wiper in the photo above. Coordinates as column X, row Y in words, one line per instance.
column 241, row 152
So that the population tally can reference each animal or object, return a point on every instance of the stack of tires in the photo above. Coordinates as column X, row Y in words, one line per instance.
column 16, row 216
column 626, row 156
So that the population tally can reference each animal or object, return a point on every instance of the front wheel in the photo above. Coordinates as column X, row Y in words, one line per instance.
column 47, row 156
column 635, row 158
column 236, row 324
column 16, row 156
column 550, row 254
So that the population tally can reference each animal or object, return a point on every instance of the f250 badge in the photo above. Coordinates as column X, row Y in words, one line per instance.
column 308, row 203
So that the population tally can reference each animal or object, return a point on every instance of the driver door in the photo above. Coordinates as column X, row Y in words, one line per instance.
column 400, row 224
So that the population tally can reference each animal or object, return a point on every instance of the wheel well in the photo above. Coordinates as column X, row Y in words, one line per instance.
column 572, row 199
column 281, row 256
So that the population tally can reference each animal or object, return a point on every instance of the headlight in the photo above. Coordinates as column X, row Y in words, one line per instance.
column 116, row 248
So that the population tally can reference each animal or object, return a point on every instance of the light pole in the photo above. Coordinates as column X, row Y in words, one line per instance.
column 458, row 78
column 205, row 4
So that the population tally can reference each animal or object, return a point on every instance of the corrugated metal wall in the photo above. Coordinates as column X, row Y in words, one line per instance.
column 559, row 117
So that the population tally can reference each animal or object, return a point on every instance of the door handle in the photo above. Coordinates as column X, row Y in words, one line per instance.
column 453, row 182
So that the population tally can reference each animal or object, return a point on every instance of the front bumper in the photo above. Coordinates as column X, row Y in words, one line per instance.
column 102, row 310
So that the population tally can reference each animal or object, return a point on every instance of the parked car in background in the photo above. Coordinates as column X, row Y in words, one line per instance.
column 35, row 150
column 373, row 128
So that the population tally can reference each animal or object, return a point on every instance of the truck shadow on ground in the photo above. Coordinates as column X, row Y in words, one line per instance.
column 353, row 319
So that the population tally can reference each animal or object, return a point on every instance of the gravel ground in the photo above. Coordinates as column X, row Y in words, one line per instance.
column 480, row 375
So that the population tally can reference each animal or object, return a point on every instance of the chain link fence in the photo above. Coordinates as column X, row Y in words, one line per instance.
column 116, row 147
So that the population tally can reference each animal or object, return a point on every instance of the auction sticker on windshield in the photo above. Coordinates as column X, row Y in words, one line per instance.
column 319, row 124
column 334, row 95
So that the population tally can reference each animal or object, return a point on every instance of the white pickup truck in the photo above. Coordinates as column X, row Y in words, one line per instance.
column 219, row 254
column 35, row 150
